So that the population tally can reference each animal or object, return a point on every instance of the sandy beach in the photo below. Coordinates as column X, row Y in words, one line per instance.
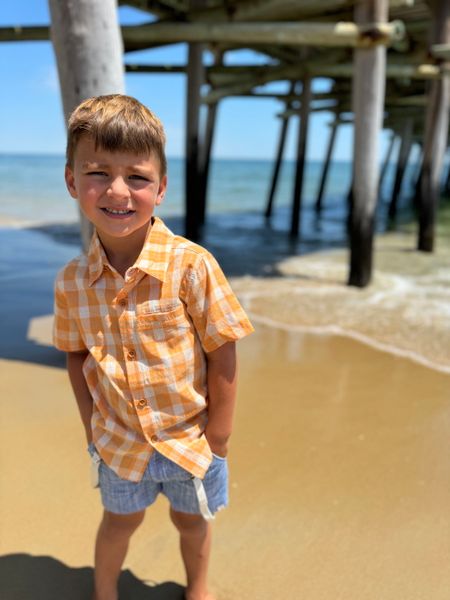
column 339, row 463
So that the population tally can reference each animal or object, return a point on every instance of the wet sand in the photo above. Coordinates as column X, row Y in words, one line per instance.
column 339, row 481
column 340, row 469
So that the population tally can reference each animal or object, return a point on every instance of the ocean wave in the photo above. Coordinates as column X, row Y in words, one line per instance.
column 406, row 312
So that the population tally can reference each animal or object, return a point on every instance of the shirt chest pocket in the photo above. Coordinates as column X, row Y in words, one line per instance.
column 162, row 322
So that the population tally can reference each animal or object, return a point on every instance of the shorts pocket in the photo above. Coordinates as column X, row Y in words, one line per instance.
column 218, row 457
column 95, row 465
column 91, row 449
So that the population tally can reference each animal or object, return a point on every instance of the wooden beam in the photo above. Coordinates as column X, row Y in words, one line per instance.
column 295, row 112
column 178, row 6
column 441, row 51
column 400, row 101
column 368, row 98
column 134, row 68
column 319, row 66
column 400, row 112
column 24, row 34
column 155, row 7
column 257, row 76
column 401, row 3
column 264, row 10
column 391, row 100
column 345, row 34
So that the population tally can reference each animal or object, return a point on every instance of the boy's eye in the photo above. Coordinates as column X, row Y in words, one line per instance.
column 97, row 173
column 139, row 177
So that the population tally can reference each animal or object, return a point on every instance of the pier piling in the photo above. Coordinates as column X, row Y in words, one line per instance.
column 368, row 102
column 301, row 156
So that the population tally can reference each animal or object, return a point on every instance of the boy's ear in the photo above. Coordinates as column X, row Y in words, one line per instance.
column 162, row 190
column 70, row 182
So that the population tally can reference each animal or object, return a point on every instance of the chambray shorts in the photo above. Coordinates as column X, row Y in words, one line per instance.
column 166, row 477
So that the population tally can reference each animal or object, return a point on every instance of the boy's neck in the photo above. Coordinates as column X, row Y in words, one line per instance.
column 122, row 253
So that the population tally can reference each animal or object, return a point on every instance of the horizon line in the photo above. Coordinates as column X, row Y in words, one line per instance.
column 25, row 153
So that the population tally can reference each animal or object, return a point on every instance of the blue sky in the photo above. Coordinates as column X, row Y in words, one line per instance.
column 32, row 112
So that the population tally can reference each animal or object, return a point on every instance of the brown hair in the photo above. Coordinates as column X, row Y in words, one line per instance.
column 117, row 123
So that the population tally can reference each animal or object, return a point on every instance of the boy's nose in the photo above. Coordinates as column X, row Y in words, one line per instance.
column 118, row 188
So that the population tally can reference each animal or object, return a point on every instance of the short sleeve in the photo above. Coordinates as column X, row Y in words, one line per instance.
column 215, row 311
column 66, row 335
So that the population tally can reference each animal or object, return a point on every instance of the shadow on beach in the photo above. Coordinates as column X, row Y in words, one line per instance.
column 25, row 577
column 243, row 244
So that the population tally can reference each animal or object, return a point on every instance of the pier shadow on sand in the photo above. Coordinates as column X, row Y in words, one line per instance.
column 26, row 577
column 244, row 245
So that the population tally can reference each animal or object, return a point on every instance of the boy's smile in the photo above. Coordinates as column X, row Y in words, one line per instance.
column 117, row 191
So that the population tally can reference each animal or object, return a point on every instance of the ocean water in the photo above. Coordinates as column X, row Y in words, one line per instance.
column 404, row 311
column 32, row 191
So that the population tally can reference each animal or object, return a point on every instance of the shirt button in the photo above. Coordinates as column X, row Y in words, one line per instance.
column 142, row 403
column 154, row 438
column 131, row 354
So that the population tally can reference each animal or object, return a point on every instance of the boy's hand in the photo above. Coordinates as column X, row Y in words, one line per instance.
column 219, row 449
column 222, row 452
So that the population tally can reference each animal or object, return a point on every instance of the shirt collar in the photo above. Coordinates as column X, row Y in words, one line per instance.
column 153, row 259
column 97, row 260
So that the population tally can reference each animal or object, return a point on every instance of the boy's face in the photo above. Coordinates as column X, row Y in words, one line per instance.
column 117, row 191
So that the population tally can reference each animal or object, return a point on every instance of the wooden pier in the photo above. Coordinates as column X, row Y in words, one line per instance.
column 388, row 62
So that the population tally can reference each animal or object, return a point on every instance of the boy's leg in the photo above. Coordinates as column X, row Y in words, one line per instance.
column 195, row 543
column 110, row 549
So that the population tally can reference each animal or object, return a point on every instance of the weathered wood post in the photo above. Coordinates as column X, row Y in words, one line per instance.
column 403, row 156
column 436, row 132
column 205, row 160
column 387, row 158
column 87, row 42
column 326, row 164
column 279, row 156
column 192, row 180
column 205, row 149
column 447, row 181
column 277, row 166
column 368, row 99
column 305, row 99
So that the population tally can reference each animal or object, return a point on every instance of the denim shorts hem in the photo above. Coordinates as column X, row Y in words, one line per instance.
column 163, row 476
column 196, row 511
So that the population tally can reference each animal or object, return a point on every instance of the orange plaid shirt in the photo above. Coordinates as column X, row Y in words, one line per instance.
column 147, row 335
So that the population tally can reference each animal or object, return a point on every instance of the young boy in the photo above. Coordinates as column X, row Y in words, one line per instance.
column 149, row 324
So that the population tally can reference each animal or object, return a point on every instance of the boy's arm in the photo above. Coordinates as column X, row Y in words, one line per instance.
column 222, row 380
column 83, row 397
